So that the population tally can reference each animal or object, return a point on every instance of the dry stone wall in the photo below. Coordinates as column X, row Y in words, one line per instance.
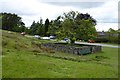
column 83, row 49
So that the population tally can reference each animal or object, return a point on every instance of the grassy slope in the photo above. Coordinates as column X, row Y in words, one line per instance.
column 0, row 54
column 21, row 60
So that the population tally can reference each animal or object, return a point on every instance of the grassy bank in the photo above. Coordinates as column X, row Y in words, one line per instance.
column 22, row 58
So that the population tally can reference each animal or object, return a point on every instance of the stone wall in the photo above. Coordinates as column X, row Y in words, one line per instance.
column 82, row 49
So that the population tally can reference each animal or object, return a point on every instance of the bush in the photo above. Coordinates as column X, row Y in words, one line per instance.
column 101, row 40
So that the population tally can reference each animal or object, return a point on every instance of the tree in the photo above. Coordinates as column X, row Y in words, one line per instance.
column 22, row 27
column 0, row 21
column 33, row 28
column 113, row 35
column 77, row 26
column 41, row 28
column 37, row 28
column 54, row 25
column 46, row 26
column 85, row 29
column 11, row 22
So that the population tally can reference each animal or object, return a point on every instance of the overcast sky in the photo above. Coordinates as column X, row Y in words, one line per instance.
column 105, row 12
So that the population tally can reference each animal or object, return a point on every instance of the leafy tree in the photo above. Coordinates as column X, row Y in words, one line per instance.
column 11, row 22
column 33, row 28
column 85, row 29
column 77, row 26
column 54, row 26
column 40, row 30
column 22, row 29
column 37, row 28
column 0, row 21
column 46, row 26
column 113, row 35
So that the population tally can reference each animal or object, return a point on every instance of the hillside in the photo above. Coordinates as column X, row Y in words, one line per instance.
column 23, row 58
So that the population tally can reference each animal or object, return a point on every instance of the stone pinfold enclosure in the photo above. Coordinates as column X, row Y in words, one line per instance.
column 76, row 49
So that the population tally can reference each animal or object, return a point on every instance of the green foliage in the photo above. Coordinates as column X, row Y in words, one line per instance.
column 86, row 30
column 37, row 28
column 54, row 26
column 46, row 26
column 12, row 22
column 77, row 26
column 112, row 36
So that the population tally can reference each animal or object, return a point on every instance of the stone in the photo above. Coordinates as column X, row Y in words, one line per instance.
column 72, row 49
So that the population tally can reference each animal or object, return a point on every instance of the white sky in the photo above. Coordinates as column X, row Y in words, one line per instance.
column 105, row 12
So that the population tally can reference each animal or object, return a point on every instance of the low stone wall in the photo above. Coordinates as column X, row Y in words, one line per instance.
column 83, row 49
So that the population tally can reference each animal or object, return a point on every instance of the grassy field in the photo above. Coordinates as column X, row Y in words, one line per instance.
column 23, row 58
column 112, row 44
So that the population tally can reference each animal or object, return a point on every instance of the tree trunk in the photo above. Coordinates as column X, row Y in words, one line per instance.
column 72, row 42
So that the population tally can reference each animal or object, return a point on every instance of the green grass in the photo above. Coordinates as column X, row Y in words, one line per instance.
column 114, row 44
column 0, row 64
column 26, row 65
column 22, row 58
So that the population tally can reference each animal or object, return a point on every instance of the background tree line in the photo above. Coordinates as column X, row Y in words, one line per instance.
column 13, row 22
column 110, row 36
column 72, row 25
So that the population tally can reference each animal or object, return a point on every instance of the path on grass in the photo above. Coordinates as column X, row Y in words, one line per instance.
column 99, row 44
column 105, row 45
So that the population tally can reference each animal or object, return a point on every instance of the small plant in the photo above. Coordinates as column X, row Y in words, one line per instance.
column 4, row 43
column 101, row 57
